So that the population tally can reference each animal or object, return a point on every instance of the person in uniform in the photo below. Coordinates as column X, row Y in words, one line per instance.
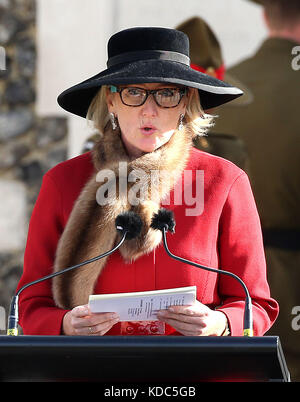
column 206, row 56
column 269, row 126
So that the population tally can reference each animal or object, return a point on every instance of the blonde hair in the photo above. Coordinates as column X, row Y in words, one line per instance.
column 195, row 118
column 98, row 111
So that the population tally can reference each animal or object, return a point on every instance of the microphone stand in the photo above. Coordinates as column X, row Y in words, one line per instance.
column 248, row 322
column 13, row 317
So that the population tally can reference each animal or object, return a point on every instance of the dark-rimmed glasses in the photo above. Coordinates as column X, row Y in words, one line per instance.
column 164, row 97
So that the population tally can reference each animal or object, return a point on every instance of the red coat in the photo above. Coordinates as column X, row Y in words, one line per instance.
column 226, row 234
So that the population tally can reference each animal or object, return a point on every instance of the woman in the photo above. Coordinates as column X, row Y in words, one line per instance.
column 148, row 106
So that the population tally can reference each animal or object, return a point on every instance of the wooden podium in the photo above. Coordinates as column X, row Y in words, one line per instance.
column 142, row 359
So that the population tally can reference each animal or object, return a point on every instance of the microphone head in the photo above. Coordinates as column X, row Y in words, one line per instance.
column 131, row 222
column 164, row 218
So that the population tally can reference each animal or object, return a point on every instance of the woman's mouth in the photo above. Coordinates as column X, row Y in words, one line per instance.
column 147, row 130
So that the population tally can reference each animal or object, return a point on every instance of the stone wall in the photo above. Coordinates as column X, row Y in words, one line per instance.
column 29, row 145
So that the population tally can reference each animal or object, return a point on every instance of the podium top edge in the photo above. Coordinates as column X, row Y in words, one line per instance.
column 143, row 341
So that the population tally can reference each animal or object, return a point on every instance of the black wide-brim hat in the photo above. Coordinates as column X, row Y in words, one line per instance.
column 148, row 55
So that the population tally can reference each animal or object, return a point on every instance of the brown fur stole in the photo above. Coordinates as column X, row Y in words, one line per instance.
column 90, row 229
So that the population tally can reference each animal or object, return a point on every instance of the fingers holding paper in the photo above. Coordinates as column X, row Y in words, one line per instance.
column 195, row 320
column 80, row 321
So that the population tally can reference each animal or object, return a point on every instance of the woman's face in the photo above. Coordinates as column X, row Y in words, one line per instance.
column 147, row 127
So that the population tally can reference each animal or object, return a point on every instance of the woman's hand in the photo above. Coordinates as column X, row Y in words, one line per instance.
column 196, row 320
column 80, row 321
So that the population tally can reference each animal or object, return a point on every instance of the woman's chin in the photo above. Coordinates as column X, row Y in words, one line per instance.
column 152, row 144
column 147, row 144
column 150, row 148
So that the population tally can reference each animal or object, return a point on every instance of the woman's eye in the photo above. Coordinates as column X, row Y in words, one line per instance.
column 134, row 92
column 167, row 92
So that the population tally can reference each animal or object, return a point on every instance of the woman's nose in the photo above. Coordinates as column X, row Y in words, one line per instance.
column 149, row 108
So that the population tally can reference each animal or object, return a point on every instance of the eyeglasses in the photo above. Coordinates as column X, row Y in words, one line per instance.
column 164, row 97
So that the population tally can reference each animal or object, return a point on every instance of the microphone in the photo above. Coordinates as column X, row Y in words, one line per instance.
column 128, row 225
column 164, row 221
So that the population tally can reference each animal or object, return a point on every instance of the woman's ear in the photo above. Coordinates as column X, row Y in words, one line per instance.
column 110, row 100
column 186, row 99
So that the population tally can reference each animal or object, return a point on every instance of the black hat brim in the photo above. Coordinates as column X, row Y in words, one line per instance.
column 212, row 91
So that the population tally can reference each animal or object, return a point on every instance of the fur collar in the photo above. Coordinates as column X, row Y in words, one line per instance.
column 90, row 229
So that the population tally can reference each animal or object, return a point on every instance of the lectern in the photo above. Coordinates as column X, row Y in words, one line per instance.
column 142, row 359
